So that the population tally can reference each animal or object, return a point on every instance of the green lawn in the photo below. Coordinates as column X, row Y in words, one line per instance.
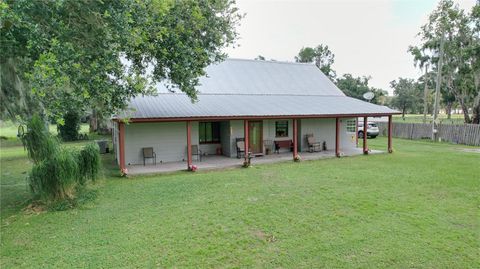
column 10, row 130
column 418, row 118
column 416, row 208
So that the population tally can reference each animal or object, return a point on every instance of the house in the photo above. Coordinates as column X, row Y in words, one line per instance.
column 263, row 103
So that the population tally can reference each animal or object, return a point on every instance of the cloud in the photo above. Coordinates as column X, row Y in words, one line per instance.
column 368, row 38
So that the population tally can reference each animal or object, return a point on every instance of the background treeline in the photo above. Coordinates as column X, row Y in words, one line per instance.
column 460, row 73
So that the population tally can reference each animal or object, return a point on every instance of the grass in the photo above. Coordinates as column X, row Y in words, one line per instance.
column 9, row 129
column 418, row 207
column 418, row 118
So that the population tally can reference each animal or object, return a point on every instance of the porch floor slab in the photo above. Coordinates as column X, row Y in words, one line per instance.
column 212, row 162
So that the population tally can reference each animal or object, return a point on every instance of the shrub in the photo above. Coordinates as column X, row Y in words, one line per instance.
column 89, row 162
column 55, row 177
column 68, row 131
column 38, row 141
column 57, row 173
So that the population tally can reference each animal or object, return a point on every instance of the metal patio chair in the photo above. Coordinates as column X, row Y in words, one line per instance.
column 197, row 152
column 313, row 145
column 148, row 153
column 240, row 144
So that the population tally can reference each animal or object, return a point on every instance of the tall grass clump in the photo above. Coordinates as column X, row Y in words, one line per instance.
column 89, row 162
column 39, row 142
column 55, row 178
column 57, row 172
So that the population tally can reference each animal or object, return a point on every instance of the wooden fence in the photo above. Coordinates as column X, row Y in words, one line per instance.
column 466, row 134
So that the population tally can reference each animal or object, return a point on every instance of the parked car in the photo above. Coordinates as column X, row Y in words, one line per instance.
column 372, row 129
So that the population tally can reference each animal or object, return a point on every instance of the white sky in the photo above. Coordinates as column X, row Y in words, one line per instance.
column 368, row 38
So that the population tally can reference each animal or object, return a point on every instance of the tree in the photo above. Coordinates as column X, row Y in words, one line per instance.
column 475, row 57
column 356, row 87
column 421, row 58
column 87, row 54
column 69, row 130
column 460, row 72
column 321, row 56
column 407, row 95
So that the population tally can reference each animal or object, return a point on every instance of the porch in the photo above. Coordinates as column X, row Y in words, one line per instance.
column 212, row 162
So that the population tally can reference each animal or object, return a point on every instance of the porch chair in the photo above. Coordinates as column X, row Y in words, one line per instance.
column 197, row 152
column 148, row 153
column 240, row 144
column 313, row 145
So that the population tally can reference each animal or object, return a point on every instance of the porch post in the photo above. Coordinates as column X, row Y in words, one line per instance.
column 121, row 144
column 390, row 127
column 295, row 139
column 356, row 132
column 337, row 137
column 189, row 144
column 245, row 139
column 365, row 128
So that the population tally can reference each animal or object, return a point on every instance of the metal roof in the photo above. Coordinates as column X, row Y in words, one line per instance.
column 239, row 76
column 180, row 106
column 250, row 88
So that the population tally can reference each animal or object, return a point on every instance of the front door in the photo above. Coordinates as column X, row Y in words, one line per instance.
column 255, row 130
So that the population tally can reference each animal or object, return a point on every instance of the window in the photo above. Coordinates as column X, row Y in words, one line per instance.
column 351, row 126
column 209, row 132
column 281, row 128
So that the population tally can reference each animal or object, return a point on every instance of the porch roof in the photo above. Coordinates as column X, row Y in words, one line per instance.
column 172, row 106
column 238, row 88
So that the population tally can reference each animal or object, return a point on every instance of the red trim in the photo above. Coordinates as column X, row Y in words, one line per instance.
column 216, row 118
column 365, row 132
column 189, row 144
column 390, row 127
column 295, row 139
column 337, row 137
column 246, row 139
column 121, row 144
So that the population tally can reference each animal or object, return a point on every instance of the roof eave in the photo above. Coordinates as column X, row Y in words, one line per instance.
column 249, row 117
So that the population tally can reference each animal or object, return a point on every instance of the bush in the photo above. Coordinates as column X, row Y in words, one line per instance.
column 89, row 162
column 71, row 126
column 55, row 177
column 57, row 173
column 38, row 141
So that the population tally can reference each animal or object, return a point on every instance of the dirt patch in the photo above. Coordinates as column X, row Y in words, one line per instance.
column 34, row 208
column 469, row 150
column 270, row 238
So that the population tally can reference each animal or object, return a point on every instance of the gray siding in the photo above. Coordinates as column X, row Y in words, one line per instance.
column 236, row 131
column 324, row 130
column 269, row 132
column 209, row 149
column 169, row 140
